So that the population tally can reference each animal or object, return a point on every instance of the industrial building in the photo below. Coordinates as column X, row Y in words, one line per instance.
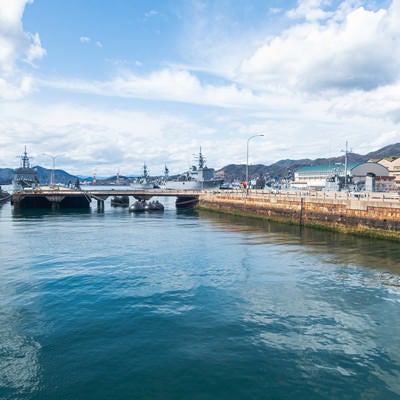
column 369, row 176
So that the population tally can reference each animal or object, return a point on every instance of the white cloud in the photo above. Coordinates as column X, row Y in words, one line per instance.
column 151, row 13
column 16, row 45
column 16, row 89
column 94, row 139
column 310, row 10
column 331, row 77
column 35, row 50
column 382, row 103
column 166, row 85
column 275, row 10
column 88, row 40
column 358, row 50
column 105, row 140
column 85, row 39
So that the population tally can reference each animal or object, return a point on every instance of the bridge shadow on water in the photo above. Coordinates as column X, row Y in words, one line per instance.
column 38, row 213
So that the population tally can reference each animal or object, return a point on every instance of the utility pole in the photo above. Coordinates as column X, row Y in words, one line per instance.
column 346, row 152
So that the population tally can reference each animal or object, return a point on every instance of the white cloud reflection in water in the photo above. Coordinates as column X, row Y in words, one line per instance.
column 323, row 316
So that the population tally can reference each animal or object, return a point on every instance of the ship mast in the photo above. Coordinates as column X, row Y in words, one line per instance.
column 25, row 160
column 166, row 173
column 145, row 172
column 202, row 160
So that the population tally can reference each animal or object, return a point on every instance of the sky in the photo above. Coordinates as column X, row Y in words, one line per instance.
column 100, row 86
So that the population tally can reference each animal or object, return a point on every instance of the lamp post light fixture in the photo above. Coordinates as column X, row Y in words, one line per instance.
column 247, row 159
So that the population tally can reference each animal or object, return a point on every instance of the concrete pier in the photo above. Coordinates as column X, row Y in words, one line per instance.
column 50, row 197
column 371, row 214
column 58, row 197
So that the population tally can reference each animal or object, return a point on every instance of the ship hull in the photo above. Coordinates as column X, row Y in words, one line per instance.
column 192, row 185
column 143, row 186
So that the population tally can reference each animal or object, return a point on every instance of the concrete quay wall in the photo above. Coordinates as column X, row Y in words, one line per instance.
column 371, row 214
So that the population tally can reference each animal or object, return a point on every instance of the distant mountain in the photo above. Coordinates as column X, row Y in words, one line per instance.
column 60, row 176
column 44, row 176
column 6, row 176
column 283, row 168
column 387, row 151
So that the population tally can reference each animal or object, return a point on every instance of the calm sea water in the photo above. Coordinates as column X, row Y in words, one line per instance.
column 193, row 305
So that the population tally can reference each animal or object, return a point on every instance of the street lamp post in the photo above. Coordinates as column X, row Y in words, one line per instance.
column 247, row 159
column 52, row 183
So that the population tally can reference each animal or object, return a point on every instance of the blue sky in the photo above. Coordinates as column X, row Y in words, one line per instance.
column 105, row 86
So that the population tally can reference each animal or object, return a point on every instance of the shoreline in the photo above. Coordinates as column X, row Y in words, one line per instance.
column 373, row 215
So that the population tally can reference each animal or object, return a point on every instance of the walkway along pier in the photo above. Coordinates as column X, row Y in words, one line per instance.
column 367, row 214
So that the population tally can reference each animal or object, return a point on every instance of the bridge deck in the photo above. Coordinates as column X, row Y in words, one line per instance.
column 143, row 193
column 61, row 195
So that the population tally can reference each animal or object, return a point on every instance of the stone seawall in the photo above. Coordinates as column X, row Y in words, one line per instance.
column 373, row 214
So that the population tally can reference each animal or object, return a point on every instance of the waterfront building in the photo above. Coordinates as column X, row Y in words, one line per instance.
column 316, row 176
column 393, row 165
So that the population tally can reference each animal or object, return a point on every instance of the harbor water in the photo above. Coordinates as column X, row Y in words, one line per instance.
column 193, row 305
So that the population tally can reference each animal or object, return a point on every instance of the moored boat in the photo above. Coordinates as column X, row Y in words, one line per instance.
column 4, row 196
column 138, row 206
column 120, row 201
column 154, row 205
column 143, row 205
column 197, row 178
column 25, row 177
column 144, row 182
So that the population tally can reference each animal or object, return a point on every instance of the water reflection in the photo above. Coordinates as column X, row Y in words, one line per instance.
column 344, row 249
column 267, row 310
column 19, row 353
column 324, row 297
column 41, row 213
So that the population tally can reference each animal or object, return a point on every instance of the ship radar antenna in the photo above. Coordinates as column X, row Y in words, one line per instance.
column 201, row 159
column 145, row 171
column 25, row 159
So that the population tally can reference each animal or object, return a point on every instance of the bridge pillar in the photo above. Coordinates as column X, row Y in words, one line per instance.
column 100, row 205
column 55, row 201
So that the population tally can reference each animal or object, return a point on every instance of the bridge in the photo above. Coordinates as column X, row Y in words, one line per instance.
column 56, row 197
column 184, row 198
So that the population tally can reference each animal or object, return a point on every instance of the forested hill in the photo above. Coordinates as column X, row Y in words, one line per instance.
column 60, row 176
column 284, row 167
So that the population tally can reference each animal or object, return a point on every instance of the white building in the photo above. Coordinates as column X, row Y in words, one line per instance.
column 393, row 165
column 316, row 176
